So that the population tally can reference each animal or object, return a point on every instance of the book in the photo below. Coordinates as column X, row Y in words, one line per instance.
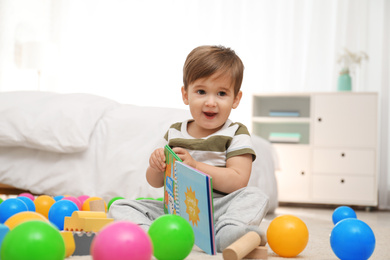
column 286, row 113
column 189, row 194
column 284, row 137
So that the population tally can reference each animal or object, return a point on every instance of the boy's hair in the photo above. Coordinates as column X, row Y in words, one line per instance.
column 204, row 61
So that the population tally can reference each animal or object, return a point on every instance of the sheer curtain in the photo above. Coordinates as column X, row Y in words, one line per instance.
column 133, row 51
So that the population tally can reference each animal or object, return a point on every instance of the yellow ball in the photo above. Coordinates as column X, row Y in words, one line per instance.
column 287, row 235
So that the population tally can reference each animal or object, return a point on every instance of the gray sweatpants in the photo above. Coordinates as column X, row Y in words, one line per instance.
column 244, row 207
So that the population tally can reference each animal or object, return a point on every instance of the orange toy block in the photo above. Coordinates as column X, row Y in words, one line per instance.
column 87, row 221
column 70, row 245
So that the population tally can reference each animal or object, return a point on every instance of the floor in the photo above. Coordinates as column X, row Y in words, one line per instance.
column 319, row 223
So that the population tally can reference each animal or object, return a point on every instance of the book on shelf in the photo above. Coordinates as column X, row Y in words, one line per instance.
column 189, row 194
column 284, row 137
column 284, row 113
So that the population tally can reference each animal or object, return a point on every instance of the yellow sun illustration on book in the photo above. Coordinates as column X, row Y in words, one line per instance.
column 192, row 206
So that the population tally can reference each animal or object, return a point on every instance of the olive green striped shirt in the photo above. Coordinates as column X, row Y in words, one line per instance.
column 231, row 140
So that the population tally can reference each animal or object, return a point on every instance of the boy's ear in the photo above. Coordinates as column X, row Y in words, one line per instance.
column 184, row 95
column 237, row 100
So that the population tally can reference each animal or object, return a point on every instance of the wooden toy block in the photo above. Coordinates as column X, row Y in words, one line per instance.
column 242, row 246
column 70, row 245
column 97, row 205
column 87, row 221
column 83, row 242
column 260, row 252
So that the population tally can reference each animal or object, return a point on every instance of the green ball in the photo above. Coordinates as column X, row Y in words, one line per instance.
column 112, row 200
column 172, row 237
column 34, row 240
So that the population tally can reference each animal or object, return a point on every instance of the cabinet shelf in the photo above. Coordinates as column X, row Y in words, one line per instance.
column 326, row 145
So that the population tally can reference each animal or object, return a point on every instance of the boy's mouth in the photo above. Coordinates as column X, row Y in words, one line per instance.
column 209, row 115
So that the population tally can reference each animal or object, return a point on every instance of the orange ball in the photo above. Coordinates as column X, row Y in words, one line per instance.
column 43, row 204
column 86, row 206
column 24, row 216
column 287, row 235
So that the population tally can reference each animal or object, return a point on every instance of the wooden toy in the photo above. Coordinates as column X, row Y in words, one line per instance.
column 87, row 221
column 260, row 252
column 83, row 241
column 70, row 245
column 97, row 205
column 244, row 247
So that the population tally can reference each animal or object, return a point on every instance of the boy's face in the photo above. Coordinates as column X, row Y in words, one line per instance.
column 210, row 100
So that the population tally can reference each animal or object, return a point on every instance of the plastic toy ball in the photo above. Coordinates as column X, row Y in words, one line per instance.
column 28, row 195
column 1, row 200
column 112, row 200
column 352, row 239
column 29, row 203
column 82, row 198
column 121, row 240
column 75, row 200
column 10, row 207
column 86, row 203
column 341, row 213
column 3, row 231
column 172, row 237
column 33, row 240
column 287, row 235
column 43, row 204
column 59, row 197
column 60, row 210
column 22, row 217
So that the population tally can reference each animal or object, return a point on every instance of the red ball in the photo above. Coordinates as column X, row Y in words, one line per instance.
column 121, row 240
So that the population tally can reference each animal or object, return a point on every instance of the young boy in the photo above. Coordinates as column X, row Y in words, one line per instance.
column 211, row 143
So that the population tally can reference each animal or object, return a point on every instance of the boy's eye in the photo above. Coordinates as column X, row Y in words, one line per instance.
column 201, row 92
column 222, row 93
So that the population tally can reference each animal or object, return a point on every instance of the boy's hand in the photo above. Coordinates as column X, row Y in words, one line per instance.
column 157, row 160
column 185, row 156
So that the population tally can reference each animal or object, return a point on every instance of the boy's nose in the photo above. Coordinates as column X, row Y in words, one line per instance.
column 210, row 101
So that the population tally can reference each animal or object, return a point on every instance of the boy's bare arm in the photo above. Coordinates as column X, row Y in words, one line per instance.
column 234, row 176
column 155, row 171
column 155, row 178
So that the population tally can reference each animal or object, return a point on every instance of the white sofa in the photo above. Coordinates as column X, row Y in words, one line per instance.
column 81, row 144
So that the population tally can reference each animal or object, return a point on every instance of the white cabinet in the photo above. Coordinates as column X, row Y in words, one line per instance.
column 326, row 144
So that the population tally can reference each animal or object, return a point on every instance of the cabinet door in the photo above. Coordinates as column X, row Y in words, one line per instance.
column 293, row 174
column 355, row 190
column 344, row 161
column 345, row 120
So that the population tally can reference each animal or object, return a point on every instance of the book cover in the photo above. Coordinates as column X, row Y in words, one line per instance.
column 170, row 200
column 192, row 198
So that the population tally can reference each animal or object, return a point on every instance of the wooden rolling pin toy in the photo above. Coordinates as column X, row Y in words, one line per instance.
column 247, row 245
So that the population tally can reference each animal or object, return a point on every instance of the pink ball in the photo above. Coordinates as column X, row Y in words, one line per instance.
column 28, row 195
column 121, row 240
column 75, row 200
column 82, row 198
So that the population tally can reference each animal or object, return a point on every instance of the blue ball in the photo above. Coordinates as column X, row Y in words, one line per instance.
column 341, row 213
column 10, row 207
column 59, row 210
column 29, row 203
column 352, row 239
column 3, row 231
column 59, row 197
